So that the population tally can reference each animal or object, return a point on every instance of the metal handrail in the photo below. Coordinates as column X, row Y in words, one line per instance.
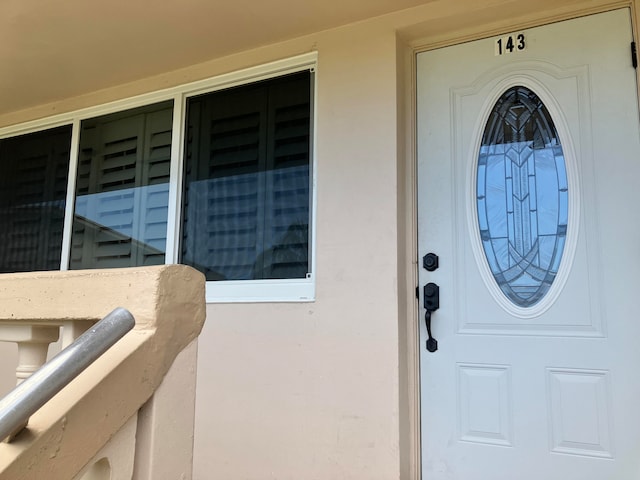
column 24, row 400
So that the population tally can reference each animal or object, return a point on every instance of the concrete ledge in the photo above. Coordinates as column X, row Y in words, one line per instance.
column 169, row 306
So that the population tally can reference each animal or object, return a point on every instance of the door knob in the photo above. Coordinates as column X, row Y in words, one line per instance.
column 431, row 298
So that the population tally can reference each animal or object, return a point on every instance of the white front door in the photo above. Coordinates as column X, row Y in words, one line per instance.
column 528, row 163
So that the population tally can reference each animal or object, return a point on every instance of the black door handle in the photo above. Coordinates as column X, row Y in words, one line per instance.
column 431, row 297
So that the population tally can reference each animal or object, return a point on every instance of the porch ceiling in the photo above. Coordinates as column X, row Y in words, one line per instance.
column 55, row 49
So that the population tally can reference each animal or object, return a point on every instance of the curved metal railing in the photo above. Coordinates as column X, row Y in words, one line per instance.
column 25, row 399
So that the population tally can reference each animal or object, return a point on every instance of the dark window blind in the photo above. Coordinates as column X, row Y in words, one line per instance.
column 122, row 189
column 246, row 200
column 34, row 170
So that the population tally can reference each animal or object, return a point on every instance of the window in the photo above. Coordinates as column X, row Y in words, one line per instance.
column 34, row 170
column 216, row 174
column 122, row 189
column 246, row 202
column 522, row 196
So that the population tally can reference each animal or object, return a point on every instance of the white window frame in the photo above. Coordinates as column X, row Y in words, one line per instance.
column 235, row 291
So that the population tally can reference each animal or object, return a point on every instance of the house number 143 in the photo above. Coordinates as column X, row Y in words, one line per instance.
column 510, row 44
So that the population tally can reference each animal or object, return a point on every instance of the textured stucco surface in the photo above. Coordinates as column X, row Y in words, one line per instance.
column 168, row 304
column 311, row 390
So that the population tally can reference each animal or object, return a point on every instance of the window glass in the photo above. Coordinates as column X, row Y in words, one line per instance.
column 33, row 183
column 246, row 201
column 243, row 208
column 522, row 196
column 122, row 189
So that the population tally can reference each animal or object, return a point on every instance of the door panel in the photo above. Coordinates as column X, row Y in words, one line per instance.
column 546, row 389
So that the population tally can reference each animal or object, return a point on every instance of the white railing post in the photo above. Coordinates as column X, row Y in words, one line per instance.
column 71, row 330
column 33, row 343
column 23, row 401
column 145, row 384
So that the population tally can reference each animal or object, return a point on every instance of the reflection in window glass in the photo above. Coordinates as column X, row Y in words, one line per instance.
column 122, row 189
column 246, row 193
column 522, row 196
column 33, row 186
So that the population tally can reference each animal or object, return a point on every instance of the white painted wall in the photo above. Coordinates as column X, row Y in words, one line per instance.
column 312, row 390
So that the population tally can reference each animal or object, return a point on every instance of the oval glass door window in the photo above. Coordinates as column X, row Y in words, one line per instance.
column 522, row 196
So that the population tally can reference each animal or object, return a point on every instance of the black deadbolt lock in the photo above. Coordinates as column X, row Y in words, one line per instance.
column 430, row 262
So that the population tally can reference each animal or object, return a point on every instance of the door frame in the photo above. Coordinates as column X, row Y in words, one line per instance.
column 449, row 25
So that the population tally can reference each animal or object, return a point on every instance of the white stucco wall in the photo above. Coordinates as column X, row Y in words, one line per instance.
column 312, row 390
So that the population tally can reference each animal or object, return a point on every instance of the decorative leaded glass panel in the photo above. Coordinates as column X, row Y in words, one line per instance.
column 522, row 196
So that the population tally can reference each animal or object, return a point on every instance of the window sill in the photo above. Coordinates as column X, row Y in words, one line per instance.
column 255, row 291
